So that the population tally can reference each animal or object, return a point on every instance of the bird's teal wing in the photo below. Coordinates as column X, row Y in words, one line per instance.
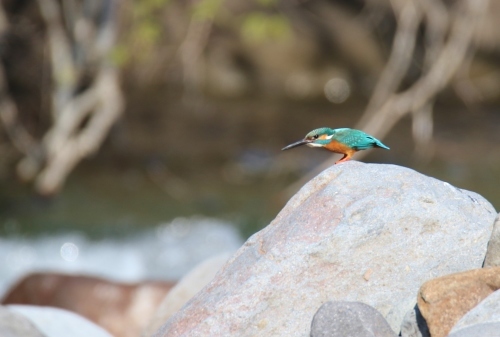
column 357, row 139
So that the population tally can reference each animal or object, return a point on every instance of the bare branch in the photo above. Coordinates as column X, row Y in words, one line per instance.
column 441, row 69
column 81, row 120
column 69, row 148
column 64, row 72
column 436, row 26
column 422, row 129
column 190, row 53
column 440, row 73
column 409, row 17
column 16, row 132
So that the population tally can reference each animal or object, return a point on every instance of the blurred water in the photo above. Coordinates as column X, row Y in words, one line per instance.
column 105, row 220
column 165, row 252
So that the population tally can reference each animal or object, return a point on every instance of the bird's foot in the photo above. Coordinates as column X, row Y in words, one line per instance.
column 343, row 159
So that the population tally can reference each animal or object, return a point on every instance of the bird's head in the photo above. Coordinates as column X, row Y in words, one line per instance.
column 316, row 138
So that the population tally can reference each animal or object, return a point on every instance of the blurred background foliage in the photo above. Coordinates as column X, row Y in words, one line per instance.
column 175, row 108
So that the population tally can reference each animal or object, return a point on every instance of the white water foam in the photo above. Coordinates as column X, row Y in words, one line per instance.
column 164, row 253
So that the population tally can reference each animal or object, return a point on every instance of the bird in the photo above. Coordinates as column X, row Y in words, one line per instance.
column 343, row 140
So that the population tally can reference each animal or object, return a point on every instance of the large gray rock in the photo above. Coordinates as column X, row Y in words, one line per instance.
column 487, row 311
column 341, row 319
column 183, row 291
column 55, row 322
column 478, row 330
column 493, row 253
column 356, row 232
column 16, row 325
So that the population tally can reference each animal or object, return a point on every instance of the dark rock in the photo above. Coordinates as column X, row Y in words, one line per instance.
column 445, row 300
column 414, row 324
column 493, row 253
column 356, row 232
column 340, row 319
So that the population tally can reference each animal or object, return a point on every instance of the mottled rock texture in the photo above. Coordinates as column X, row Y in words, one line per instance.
column 478, row 330
column 444, row 300
column 414, row 324
column 487, row 311
column 184, row 290
column 16, row 325
column 493, row 253
column 54, row 322
column 356, row 232
column 341, row 319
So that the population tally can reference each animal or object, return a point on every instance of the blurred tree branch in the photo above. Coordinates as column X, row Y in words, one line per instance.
column 443, row 60
column 16, row 132
column 189, row 42
column 86, row 93
column 450, row 56
column 190, row 56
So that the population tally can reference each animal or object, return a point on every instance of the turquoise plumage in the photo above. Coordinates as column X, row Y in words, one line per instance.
column 344, row 140
column 357, row 139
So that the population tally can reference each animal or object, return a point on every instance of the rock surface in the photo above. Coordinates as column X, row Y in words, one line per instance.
column 445, row 300
column 493, row 253
column 341, row 319
column 16, row 325
column 185, row 289
column 54, row 322
column 487, row 311
column 104, row 302
column 478, row 330
column 356, row 232
column 414, row 324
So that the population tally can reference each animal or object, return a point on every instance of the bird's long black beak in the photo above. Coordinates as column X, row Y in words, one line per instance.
column 299, row 143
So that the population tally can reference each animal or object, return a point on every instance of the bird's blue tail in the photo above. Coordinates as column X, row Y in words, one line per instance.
column 380, row 144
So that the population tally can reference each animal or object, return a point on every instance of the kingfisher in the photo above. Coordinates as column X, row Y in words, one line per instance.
column 344, row 141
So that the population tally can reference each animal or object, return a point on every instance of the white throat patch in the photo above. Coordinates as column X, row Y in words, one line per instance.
column 314, row 145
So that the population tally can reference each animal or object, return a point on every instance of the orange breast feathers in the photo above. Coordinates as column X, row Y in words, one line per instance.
column 337, row 147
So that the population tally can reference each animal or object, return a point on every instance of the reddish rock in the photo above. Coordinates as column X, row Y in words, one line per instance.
column 444, row 300
column 106, row 303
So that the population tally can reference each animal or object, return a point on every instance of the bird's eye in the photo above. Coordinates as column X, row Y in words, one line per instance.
column 315, row 136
